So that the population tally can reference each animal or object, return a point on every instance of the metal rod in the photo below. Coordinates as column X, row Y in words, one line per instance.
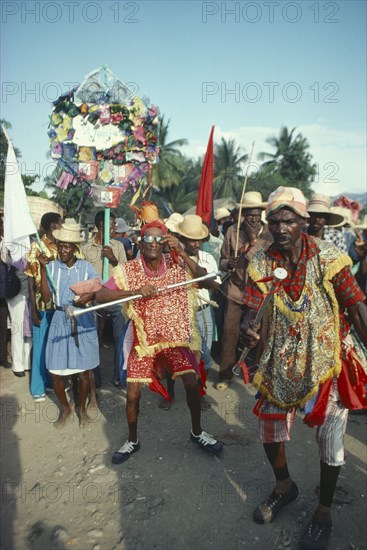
column 72, row 311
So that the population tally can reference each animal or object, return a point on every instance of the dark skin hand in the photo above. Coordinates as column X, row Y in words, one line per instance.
column 252, row 225
column 107, row 252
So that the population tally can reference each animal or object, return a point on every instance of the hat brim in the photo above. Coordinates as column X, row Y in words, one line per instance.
column 247, row 206
column 346, row 222
column 65, row 237
column 333, row 219
column 203, row 234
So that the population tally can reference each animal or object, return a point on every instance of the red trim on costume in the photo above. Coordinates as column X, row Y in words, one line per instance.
column 202, row 377
column 317, row 416
column 157, row 387
column 256, row 410
column 352, row 383
column 245, row 371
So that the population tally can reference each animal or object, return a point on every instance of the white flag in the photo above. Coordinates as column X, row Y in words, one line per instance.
column 18, row 223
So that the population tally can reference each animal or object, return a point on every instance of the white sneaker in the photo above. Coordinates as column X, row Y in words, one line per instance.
column 207, row 442
column 125, row 452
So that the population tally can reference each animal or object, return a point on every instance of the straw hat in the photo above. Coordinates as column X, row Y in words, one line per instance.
column 347, row 216
column 70, row 232
column 320, row 204
column 221, row 213
column 174, row 219
column 287, row 197
column 252, row 199
column 192, row 228
column 38, row 206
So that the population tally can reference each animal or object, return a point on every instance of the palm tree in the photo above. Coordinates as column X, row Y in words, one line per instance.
column 171, row 166
column 291, row 159
column 183, row 196
column 228, row 160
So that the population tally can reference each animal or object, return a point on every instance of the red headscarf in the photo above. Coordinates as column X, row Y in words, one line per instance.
column 155, row 223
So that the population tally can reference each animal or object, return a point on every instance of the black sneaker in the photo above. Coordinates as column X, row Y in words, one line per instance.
column 207, row 442
column 125, row 452
column 268, row 510
column 316, row 535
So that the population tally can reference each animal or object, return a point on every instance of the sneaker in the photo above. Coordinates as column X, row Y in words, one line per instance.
column 125, row 452
column 207, row 442
column 316, row 535
column 39, row 398
column 268, row 510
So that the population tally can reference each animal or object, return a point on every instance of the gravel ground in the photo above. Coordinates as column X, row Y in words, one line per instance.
column 60, row 490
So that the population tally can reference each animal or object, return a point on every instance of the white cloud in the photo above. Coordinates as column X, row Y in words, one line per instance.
column 340, row 155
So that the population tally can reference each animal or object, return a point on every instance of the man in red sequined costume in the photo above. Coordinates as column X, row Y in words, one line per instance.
column 165, row 334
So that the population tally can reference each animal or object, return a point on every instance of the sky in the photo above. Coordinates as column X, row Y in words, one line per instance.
column 246, row 67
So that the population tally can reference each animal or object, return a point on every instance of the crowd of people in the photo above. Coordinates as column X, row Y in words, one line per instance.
column 308, row 354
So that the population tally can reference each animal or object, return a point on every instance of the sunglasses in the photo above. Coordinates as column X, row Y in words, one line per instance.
column 150, row 238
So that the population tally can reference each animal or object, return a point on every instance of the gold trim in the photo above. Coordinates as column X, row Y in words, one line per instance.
column 141, row 380
column 180, row 373
column 257, row 382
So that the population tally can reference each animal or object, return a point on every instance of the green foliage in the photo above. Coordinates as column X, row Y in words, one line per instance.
column 291, row 161
column 229, row 161
column 181, row 197
column 171, row 167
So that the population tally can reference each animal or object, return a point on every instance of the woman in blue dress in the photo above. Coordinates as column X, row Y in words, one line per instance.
column 67, row 353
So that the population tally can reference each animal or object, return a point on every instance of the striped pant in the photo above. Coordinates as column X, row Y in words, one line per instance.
column 330, row 435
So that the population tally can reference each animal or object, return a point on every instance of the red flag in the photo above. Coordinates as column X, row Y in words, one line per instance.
column 204, row 205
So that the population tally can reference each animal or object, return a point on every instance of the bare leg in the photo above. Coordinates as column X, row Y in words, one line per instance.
column 75, row 387
column 191, row 385
column 163, row 403
column 132, row 409
column 66, row 408
column 83, row 394
column 93, row 405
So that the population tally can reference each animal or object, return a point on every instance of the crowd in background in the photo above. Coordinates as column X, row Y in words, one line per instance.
column 25, row 318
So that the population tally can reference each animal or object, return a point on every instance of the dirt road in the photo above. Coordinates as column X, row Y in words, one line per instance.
column 60, row 490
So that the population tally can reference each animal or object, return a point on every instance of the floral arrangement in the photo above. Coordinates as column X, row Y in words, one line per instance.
column 101, row 134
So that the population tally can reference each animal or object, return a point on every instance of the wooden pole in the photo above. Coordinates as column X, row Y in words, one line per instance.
column 242, row 196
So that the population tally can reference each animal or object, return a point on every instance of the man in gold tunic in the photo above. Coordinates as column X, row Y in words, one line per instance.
column 308, row 360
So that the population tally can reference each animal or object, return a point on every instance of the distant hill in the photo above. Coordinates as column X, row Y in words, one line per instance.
column 359, row 197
